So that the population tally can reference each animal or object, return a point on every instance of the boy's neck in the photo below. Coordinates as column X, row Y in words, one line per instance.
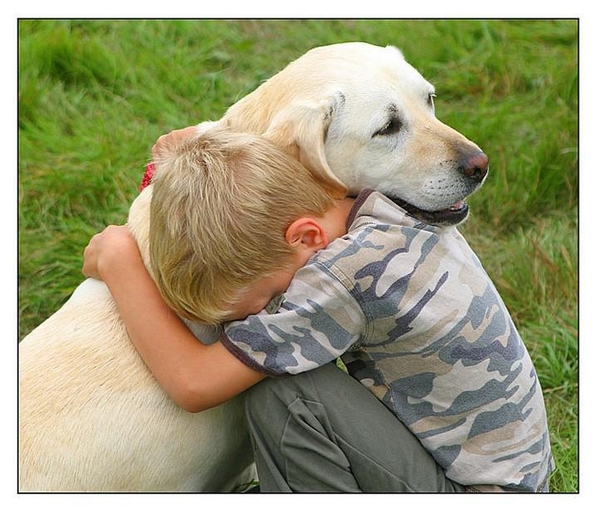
column 335, row 219
column 333, row 225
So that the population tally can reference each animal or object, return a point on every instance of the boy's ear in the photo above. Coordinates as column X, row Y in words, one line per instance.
column 308, row 233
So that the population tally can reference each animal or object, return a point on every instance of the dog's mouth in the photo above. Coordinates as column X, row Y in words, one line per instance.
column 453, row 215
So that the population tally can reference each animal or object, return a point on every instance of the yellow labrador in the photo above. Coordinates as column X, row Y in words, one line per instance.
column 91, row 416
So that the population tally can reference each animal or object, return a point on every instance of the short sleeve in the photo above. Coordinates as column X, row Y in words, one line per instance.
column 316, row 323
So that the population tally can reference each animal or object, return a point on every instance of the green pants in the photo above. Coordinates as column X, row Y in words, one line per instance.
column 322, row 431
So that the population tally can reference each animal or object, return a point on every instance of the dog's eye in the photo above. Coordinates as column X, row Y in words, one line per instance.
column 392, row 126
column 431, row 97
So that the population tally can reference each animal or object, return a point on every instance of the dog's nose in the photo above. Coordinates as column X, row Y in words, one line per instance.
column 475, row 167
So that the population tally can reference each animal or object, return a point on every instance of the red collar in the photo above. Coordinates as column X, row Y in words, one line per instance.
column 150, row 169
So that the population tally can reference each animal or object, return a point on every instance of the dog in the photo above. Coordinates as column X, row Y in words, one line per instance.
column 91, row 416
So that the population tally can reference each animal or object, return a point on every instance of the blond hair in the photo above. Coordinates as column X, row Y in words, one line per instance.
column 221, row 204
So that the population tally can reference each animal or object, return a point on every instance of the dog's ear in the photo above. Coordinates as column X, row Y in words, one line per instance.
column 301, row 130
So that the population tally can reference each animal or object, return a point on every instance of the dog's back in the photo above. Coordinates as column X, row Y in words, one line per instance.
column 92, row 418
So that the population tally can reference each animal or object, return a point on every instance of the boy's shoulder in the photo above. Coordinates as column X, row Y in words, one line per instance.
column 374, row 208
column 378, row 230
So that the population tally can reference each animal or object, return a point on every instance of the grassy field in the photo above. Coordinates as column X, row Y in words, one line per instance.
column 94, row 96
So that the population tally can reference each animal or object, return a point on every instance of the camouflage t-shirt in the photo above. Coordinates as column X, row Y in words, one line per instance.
column 417, row 320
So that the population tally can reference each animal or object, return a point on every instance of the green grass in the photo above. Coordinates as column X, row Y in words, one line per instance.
column 94, row 96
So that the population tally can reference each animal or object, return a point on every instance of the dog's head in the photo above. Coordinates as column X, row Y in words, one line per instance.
column 359, row 116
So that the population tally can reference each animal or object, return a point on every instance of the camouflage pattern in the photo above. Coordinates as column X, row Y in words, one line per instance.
column 417, row 320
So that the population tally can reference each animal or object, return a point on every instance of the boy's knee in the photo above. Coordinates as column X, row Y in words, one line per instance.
column 259, row 396
column 270, row 398
column 267, row 408
column 276, row 393
column 273, row 391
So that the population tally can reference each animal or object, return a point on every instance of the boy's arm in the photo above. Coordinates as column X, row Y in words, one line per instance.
column 194, row 375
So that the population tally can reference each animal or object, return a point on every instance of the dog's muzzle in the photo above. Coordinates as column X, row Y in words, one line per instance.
column 474, row 168
column 454, row 215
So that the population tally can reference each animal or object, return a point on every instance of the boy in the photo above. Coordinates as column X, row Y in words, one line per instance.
column 406, row 305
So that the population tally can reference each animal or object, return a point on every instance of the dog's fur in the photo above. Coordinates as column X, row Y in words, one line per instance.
column 92, row 418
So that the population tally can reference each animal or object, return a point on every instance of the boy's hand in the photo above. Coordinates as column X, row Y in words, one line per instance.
column 172, row 138
column 111, row 252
